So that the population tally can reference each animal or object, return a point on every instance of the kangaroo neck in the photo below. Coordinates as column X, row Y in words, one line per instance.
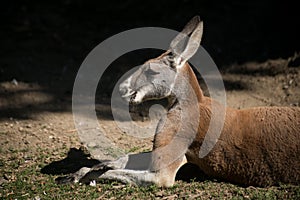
column 186, row 90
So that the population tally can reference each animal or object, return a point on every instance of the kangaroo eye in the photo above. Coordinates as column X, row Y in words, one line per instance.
column 171, row 61
column 151, row 72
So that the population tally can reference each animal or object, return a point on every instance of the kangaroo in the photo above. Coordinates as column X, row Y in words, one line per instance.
column 257, row 146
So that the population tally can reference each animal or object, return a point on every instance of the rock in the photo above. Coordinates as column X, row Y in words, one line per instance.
column 14, row 82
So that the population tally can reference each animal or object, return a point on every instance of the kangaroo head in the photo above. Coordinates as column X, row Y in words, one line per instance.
column 156, row 78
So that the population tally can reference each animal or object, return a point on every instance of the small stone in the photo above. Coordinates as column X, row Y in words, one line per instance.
column 28, row 126
column 285, row 87
column 93, row 183
column 92, row 144
column 20, row 128
column 14, row 82
column 37, row 198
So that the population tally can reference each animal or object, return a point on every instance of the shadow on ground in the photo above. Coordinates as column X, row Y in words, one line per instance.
column 78, row 158
column 75, row 160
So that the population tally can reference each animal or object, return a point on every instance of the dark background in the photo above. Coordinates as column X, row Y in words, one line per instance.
column 44, row 42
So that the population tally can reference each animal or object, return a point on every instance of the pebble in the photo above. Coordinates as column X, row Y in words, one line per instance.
column 93, row 183
column 14, row 82
column 285, row 87
column 37, row 198
column 92, row 144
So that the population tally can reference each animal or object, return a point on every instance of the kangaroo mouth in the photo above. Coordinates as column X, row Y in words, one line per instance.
column 129, row 97
column 129, row 94
column 132, row 98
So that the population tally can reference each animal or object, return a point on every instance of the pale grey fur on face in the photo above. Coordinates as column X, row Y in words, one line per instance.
column 155, row 79
column 151, row 81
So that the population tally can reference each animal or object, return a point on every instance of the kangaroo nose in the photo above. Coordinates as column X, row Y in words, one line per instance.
column 122, row 91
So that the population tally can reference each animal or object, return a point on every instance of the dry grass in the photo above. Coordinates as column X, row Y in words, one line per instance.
column 21, row 179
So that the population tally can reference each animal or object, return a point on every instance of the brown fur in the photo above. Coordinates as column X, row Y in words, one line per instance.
column 258, row 146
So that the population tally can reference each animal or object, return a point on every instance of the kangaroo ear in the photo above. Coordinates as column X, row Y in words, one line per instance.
column 194, row 26
column 178, row 43
column 193, row 44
